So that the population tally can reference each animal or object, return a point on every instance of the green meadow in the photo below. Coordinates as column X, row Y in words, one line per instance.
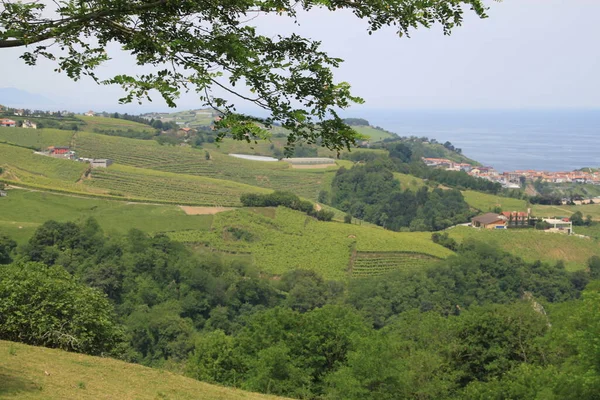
column 22, row 211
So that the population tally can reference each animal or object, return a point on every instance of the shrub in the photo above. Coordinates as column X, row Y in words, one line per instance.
column 46, row 306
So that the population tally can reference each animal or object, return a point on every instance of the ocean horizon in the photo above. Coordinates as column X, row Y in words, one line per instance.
column 549, row 140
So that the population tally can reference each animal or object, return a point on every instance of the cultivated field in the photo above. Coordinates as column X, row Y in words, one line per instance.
column 290, row 239
column 150, row 185
column 532, row 245
column 486, row 202
column 32, row 373
column 22, row 211
column 35, row 138
column 371, row 263
column 151, row 155
column 23, row 166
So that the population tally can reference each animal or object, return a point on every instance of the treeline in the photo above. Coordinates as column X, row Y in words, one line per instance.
column 481, row 324
column 370, row 192
column 285, row 199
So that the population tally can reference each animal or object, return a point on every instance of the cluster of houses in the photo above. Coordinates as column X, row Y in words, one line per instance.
column 510, row 219
column 513, row 179
column 9, row 123
column 68, row 154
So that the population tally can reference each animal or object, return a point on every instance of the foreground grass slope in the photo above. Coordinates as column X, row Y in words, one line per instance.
column 532, row 245
column 28, row 372
column 281, row 239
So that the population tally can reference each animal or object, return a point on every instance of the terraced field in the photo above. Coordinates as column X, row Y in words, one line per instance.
column 367, row 264
column 180, row 160
column 130, row 182
column 293, row 240
column 35, row 138
column 23, row 166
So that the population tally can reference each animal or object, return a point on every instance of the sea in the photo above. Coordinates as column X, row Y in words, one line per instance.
column 547, row 140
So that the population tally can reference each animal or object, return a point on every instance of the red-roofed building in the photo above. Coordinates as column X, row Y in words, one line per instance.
column 516, row 217
column 8, row 123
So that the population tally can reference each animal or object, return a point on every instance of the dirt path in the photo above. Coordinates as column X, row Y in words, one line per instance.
column 189, row 210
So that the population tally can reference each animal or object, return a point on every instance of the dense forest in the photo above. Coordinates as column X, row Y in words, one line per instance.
column 482, row 324
column 371, row 192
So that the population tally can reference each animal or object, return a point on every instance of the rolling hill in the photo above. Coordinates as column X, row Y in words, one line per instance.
column 30, row 373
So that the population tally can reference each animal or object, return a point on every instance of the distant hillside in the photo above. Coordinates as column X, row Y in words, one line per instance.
column 32, row 373
column 12, row 97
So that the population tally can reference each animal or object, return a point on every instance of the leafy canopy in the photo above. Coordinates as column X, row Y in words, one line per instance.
column 198, row 45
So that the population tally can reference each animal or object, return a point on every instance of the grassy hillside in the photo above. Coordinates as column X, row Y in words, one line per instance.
column 534, row 245
column 409, row 182
column 35, row 138
column 151, row 155
column 485, row 202
column 29, row 373
column 282, row 239
column 373, row 134
column 567, row 211
column 113, row 124
column 23, row 167
column 22, row 211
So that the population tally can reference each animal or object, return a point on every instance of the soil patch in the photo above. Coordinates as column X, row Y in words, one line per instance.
column 204, row 210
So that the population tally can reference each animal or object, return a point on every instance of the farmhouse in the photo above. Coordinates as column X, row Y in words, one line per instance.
column 489, row 221
column 60, row 152
column 8, row 123
column 90, row 114
column 100, row 163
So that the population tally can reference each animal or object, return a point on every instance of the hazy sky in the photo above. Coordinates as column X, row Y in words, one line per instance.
column 528, row 54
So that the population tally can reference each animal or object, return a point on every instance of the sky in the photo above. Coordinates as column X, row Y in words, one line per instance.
column 527, row 54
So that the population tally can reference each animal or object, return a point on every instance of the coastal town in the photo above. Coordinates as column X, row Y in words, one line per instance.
column 515, row 179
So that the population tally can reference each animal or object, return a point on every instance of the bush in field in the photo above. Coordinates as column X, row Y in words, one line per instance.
column 286, row 199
